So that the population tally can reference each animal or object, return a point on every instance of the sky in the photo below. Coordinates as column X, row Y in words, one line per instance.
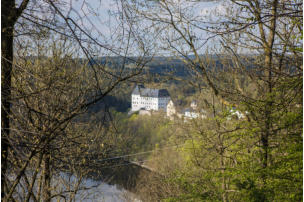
column 101, row 19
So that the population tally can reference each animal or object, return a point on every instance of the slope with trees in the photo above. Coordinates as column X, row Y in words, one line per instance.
column 268, row 93
column 44, row 89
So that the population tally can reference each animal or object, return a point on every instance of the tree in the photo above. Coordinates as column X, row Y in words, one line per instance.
column 45, row 86
column 10, row 15
column 260, row 56
column 266, row 25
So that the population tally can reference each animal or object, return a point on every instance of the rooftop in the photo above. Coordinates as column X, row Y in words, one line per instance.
column 150, row 92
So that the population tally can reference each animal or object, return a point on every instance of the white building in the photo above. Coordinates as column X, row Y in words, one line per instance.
column 189, row 113
column 149, row 99
column 235, row 112
column 193, row 104
column 171, row 110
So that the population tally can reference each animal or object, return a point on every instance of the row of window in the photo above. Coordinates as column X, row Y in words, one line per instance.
column 150, row 98
column 146, row 103
column 149, row 103
column 161, row 106
column 143, row 98
column 142, row 106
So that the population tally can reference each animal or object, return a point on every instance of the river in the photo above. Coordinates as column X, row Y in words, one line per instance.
column 99, row 191
column 92, row 190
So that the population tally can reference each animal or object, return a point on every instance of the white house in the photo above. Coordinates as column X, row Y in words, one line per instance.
column 149, row 99
column 190, row 113
column 193, row 104
column 172, row 111
column 235, row 112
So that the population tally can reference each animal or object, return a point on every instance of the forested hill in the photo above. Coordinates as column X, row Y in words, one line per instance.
column 161, row 65
column 157, row 71
column 158, row 65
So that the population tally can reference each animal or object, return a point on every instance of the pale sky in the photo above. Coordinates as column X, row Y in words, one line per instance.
column 100, row 19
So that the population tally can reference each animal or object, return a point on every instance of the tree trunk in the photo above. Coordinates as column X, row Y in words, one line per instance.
column 7, row 23
column 268, row 42
column 47, row 179
column 224, row 194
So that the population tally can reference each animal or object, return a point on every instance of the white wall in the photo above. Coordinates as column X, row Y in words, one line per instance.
column 191, row 114
column 163, row 102
column 171, row 109
column 148, row 103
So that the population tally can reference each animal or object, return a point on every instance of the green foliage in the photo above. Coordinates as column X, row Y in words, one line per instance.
column 221, row 156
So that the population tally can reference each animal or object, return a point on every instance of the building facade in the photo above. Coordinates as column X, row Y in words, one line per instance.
column 171, row 110
column 149, row 99
column 188, row 113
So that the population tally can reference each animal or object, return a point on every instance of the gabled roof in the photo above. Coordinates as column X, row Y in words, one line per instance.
column 150, row 92
column 163, row 93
